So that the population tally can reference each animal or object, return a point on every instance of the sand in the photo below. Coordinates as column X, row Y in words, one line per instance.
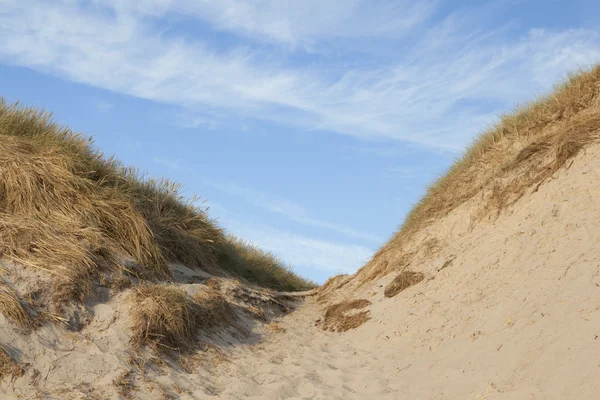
column 509, row 309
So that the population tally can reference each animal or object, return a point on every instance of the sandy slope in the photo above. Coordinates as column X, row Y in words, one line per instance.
column 515, row 315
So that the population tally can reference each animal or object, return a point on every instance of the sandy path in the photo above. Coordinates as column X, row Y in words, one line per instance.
column 304, row 362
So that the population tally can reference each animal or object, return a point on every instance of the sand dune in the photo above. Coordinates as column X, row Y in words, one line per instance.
column 494, row 294
column 516, row 315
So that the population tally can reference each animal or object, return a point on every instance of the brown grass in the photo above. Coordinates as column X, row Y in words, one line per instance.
column 344, row 316
column 8, row 366
column 14, row 310
column 404, row 280
column 332, row 285
column 168, row 319
column 523, row 150
column 124, row 384
column 67, row 209
column 275, row 327
column 262, row 267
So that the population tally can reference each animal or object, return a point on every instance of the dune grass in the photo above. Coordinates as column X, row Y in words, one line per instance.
column 263, row 268
column 519, row 153
column 344, row 316
column 8, row 366
column 166, row 318
column 67, row 209
column 13, row 309
column 402, row 281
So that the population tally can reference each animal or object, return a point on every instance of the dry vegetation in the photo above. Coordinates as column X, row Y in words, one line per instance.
column 257, row 266
column 68, row 210
column 168, row 319
column 404, row 280
column 523, row 150
column 329, row 288
column 344, row 316
column 13, row 309
column 81, row 221
column 8, row 366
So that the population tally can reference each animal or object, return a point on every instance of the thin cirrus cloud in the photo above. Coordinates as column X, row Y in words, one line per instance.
column 439, row 92
column 308, row 252
column 167, row 162
column 292, row 23
column 288, row 209
column 274, row 204
column 299, row 250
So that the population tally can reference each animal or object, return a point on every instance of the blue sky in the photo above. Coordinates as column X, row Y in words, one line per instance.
column 311, row 127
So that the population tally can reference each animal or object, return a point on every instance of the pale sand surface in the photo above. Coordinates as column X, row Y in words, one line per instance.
column 515, row 315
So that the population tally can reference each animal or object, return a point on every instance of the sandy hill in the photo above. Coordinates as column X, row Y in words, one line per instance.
column 113, row 287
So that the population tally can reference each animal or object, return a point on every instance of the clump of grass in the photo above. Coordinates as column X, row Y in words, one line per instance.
column 67, row 209
column 518, row 154
column 8, row 366
column 124, row 384
column 168, row 319
column 13, row 309
column 331, row 286
column 214, row 310
column 404, row 280
column 344, row 316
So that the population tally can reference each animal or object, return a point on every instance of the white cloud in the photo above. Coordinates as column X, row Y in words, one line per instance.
column 103, row 106
column 188, row 121
column 167, row 162
column 440, row 91
column 299, row 250
column 294, row 22
column 402, row 172
column 288, row 209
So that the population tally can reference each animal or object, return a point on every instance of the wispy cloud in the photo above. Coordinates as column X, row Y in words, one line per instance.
column 439, row 92
column 305, row 251
column 293, row 23
column 299, row 250
column 288, row 209
column 103, row 106
column 310, row 20
column 409, row 172
column 167, row 162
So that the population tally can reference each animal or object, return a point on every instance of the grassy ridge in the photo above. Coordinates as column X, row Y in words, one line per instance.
column 67, row 209
column 520, row 152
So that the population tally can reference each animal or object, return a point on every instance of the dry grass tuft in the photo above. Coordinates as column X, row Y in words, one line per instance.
column 14, row 310
column 124, row 384
column 404, row 280
column 67, row 209
column 344, row 316
column 263, row 268
column 215, row 311
column 8, row 366
column 523, row 150
column 332, row 284
column 167, row 318
column 275, row 327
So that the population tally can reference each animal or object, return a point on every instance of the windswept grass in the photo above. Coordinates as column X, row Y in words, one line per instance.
column 344, row 316
column 13, row 309
column 69, row 210
column 168, row 319
column 519, row 153
column 404, row 280
column 8, row 366
column 260, row 267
